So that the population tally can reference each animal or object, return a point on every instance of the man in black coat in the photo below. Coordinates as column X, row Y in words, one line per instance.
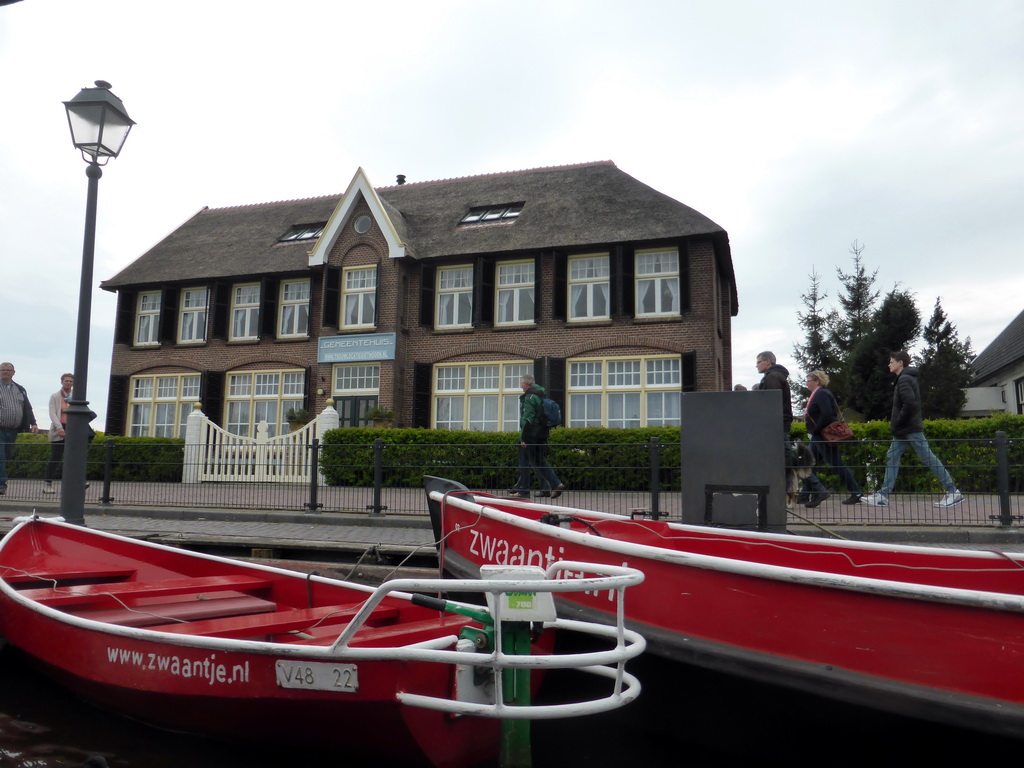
column 775, row 376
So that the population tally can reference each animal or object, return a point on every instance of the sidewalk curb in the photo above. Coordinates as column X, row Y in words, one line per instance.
column 18, row 508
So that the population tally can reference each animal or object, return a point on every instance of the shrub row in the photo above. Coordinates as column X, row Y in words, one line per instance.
column 599, row 459
column 965, row 446
column 140, row 459
column 596, row 459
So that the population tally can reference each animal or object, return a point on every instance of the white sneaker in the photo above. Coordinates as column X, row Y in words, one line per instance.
column 875, row 500
column 950, row 499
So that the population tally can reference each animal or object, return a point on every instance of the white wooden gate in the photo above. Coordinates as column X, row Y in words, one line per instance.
column 213, row 454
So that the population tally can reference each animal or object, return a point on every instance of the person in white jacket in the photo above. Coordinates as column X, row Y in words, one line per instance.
column 58, row 422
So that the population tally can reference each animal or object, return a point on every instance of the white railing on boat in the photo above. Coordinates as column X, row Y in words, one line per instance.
column 212, row 454
column 608, row 663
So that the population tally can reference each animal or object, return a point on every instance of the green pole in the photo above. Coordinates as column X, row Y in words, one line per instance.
column 515, row 734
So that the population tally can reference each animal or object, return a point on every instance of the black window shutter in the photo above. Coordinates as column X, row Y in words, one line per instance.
column 213, row 396
column 332, row 296
column 117, row 406
column 427, row 273
column 538, row 287
column 483, row 292
column 124, row 329
column 560, row 299
column 268, row 308
column 554, row 381
column 376, row 298
column 684, row 278
column 627, row 286
column 169, row 315
column 689, row 372
column 220, row 301
column 421, row 400
column 308, row 377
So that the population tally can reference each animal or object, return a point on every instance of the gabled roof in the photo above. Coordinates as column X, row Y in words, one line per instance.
column 567, row 206
column 387, row 217
column 227, row 242
column 1006, row 349
column 574, row 206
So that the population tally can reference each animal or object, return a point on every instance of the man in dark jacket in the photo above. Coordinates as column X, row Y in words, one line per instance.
column 15, row 416
column 775, row 376
column 533, row 443
column 908, row 432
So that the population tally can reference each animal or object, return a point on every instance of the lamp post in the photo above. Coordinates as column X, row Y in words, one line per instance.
column 99, row 127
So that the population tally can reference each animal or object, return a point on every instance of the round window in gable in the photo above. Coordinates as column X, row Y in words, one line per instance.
column 362, row 225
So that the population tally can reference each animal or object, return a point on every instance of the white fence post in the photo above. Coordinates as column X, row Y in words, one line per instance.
column 195, row 445
column 327, row 420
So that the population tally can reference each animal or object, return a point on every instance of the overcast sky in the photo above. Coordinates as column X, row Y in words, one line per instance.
column 799, row 127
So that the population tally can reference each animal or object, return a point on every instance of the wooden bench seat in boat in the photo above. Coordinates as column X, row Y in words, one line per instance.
column 185, row 611
column 370, row 636
column 61, row 597
column 69, row 575
column 279, row 622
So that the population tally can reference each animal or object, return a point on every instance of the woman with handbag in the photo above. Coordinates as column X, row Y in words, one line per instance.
column 821, row 411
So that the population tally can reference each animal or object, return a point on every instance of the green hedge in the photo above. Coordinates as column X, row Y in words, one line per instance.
column 139, row 459
column 599, row 459
column 618, row 459
column 965, row 447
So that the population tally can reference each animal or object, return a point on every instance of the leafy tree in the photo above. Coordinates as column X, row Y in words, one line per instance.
column 818, row 352
column 858, row 301
column 895, row 325
column 945, row 368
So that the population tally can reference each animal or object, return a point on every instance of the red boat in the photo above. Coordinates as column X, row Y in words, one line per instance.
column 934, row 633
column 209, row 645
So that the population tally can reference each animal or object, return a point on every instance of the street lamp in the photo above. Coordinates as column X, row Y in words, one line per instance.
column 99, row 126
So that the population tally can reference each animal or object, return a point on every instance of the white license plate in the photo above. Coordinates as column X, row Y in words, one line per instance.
column 318, row 676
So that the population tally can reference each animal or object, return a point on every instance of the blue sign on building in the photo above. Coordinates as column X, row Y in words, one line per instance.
column 357, row 348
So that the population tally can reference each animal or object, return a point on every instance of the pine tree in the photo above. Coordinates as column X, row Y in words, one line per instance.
column 858, row 304
column 945, row 368
column 894, row 326
column 818, row 352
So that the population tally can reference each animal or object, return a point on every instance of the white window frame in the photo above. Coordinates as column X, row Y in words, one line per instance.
column 245, row 312
column 193, row 315
column 356, row 379
column 589, row 283
column 159, row 403
column 657, row 282
column 147, row 319
column 453, row 307
column 515, row 293
column 254, row 396
column 293, row 316
column 480, row 396
column 624, row 392
column 359, row 297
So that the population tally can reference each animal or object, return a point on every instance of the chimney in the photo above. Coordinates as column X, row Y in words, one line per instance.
column 401, row 179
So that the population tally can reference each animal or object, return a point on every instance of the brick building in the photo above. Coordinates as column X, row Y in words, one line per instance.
column 430, row 299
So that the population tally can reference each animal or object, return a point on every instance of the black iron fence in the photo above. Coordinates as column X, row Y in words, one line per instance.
column 382, row 478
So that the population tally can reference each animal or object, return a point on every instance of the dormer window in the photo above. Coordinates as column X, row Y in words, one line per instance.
column 303, row 232
column 489, row 214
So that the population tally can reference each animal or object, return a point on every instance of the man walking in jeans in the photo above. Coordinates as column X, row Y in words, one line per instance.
column 533, row 443
column 908, row 432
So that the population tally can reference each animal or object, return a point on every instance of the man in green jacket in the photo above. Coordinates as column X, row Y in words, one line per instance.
column 533, row 443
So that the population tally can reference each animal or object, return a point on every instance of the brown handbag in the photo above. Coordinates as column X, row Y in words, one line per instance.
column 837, row 432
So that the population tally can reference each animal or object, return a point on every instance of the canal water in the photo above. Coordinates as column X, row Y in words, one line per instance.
column 685, row 717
